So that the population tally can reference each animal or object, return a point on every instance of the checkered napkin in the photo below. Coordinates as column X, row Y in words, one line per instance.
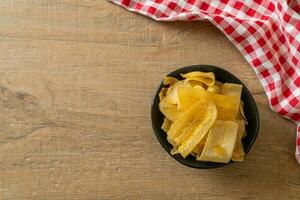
column 266, row 32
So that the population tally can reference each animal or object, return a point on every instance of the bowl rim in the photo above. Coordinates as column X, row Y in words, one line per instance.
column 195, row 164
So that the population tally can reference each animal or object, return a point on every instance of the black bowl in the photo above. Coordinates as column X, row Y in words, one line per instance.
column 222, row 75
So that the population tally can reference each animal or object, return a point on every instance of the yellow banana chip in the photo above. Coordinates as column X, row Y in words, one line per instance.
column 169, row 110
column 208, row 78
column 231, row 89
column 213, row 89
column 227, row 105
column 219, row 84
column 172, row 93
column 205, row 121
column 166, row 125
column 168, row 80
column 186, row 132
column 184, row 120
column 162, row 93
column 199, row 148
column 238, row 151
column 174, row 151
column 198, row 87
column 220, row 142
column 196, row 83
column 241, row 113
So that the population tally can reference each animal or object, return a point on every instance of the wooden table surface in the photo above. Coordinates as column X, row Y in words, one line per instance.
column 77, row 78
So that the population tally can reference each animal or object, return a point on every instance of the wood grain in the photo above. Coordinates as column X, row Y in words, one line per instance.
column 77, row 78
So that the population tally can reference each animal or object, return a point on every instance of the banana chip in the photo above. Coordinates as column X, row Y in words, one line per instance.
column 162, row 93
column 205, row 122
column 184, row 121
column 213, row 89
column 227, row 106
column 241, row 113
column 187, row 131
column 219, row 84
column 220, row 142
column 174, row 151
column 208, row 78
column 196, row 83
column 199, row 148
column 166, row 125
column 238, row 151
column 168, row 80
column 172, row 93
column 169, row 110
column 231, row 89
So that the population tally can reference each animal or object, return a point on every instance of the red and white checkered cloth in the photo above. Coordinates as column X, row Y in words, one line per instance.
column 266, row 32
